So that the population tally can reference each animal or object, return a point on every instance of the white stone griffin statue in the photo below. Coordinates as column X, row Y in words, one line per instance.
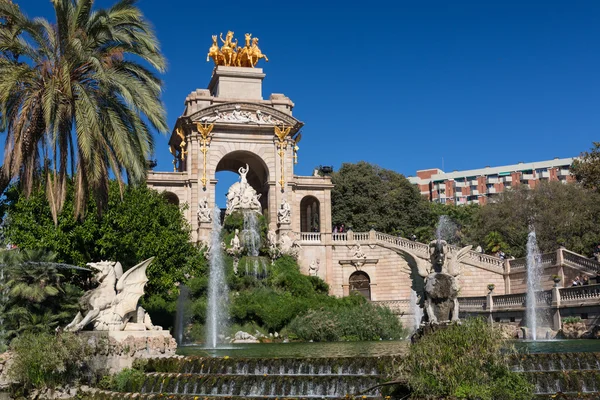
column 113, row 305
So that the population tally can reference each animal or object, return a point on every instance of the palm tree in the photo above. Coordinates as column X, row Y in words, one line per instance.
column 35, row 295
column 78, row 98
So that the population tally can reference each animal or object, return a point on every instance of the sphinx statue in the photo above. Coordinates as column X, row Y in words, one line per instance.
column 113, row 305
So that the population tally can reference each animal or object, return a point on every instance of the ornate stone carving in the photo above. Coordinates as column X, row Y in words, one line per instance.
column 239, row 116
column 288, row 245
column 235, row 250
column 274, row 251
column 242, row 196
column 359, row 257
column 113, row 305
column 358, row 253
column 313, row 268
column 204, row 212
column 231, row 55
column 284, row 213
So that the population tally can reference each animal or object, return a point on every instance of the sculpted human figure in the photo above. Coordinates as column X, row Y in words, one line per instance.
column 203, row 210
column 284, row 214
column 313, row 268
column 243, row 172
column 288, row 245
column 242, row 196
column 235, row 241
column 228, row 48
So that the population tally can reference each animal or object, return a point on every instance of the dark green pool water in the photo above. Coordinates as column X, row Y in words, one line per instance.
column 295, row 350
column 367, row 349
column 558, row 346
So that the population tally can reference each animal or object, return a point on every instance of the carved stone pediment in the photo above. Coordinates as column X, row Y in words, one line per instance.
column 241, row 113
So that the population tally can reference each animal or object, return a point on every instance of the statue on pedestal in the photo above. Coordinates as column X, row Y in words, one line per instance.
column 242, row 196
column 204, row 211
column 313, row 268
column 284, row 214
column 113, row 305
column 235, row 250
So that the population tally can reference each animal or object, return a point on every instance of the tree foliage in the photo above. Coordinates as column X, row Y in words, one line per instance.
column 38, row 295
column 366, row 196
column 141, row 225
column 587, row 168
column 81, row 94
column 562, row 215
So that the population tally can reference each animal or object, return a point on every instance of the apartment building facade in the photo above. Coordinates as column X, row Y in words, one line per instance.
column 480, row 185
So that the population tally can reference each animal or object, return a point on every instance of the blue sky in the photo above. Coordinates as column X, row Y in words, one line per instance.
column 407, row 85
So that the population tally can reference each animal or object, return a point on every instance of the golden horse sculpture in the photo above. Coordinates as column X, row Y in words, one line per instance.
column 232, row 55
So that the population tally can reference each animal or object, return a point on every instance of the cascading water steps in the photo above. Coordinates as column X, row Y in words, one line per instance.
column 285, row 378
column 567, row 373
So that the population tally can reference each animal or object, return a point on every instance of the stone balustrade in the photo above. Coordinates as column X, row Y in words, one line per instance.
column 472, row 303
column 419, row 249
column 397, row 306
column 553, row 300
column 509, row 301
column 575, row 260
column 554, row 259
column 314, row 237
column 339, row 237
column 577, row 294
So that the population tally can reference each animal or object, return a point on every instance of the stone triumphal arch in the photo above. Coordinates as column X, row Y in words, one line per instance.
column 230, row 127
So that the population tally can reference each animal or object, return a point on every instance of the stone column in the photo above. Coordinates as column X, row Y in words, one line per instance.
column 556, row 319
column 507, row 277
column 489, row 305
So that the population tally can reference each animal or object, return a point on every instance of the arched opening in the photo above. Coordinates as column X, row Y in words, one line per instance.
column 309, row 214
column 171, row 198
column 360, row 283
column 258, row 175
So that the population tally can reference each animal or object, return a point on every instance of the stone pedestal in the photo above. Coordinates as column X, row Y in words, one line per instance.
column 115, row 350
column 237, row 83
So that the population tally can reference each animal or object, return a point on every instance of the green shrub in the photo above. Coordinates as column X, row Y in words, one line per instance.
column 467, row 361
column 127, row 380
column 347, row 321
column 571, row 320
column 43, row 360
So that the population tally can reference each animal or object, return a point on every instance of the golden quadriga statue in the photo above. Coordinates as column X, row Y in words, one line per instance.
column 233, row 56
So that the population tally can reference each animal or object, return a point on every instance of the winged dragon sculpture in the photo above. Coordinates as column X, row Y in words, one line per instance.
column 440, row 273
column 114, row 303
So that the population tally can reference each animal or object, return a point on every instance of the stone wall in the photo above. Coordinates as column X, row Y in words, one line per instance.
column 115, row 350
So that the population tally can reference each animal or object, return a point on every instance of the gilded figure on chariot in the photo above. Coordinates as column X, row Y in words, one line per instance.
column 231, row 55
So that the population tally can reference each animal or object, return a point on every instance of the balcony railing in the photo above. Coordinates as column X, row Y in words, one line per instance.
column 472, row 303
column 579, row 293
column 310, row 237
